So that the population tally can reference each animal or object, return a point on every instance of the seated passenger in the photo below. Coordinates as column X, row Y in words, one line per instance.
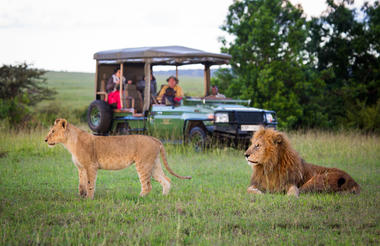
column 114, row 99
column 215, row 93
column 113, row 82
column 112, row 88
column 171, row 94
column 153, row 86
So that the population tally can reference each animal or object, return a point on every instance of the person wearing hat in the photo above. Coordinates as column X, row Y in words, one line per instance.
column 171, row 94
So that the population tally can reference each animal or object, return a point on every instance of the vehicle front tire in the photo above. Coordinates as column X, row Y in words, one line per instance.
column 198, row 139
column 99, row 116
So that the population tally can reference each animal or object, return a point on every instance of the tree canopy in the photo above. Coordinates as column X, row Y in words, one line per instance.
column 21, row 87
column 313, row 73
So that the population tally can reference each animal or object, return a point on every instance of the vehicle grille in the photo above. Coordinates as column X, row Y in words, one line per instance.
column 247, row 117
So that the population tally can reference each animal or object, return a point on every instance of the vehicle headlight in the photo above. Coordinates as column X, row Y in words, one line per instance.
column 269, row 117
column 221, row 117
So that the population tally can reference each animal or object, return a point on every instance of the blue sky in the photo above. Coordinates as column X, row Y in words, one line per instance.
column 63, row 35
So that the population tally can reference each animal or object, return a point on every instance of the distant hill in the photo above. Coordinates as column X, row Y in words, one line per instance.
column 184, row 72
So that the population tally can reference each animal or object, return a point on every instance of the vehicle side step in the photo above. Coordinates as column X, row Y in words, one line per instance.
column 137, row 130
column 167, row 141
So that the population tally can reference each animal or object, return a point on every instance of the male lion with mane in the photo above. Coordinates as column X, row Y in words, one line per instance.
column 90, row 153
column 278, row 168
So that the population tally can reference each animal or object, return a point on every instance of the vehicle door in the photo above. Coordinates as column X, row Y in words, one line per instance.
column 166, row 122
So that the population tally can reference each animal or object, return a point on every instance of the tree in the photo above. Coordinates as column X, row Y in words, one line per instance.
column 317, row 73
column 269, row 61
column 347, row 45
column 20, row 88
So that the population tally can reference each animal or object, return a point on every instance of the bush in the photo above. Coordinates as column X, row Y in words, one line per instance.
column 12, row 113
column 21, row 88
column 364, row 117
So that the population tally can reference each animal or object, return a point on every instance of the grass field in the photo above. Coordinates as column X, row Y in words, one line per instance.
column 39, row 203
column 76, row 90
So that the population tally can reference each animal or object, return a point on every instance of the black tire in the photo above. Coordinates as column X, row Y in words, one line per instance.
column 198, row 139
column 99, row 116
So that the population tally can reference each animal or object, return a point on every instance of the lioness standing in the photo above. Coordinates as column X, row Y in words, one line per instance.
column 90, row 153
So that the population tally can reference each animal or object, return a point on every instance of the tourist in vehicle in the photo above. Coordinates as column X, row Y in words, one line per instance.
column 171, row 94
column 153, row 86
column 112, row 88
column 215, row 93
column 113, row 82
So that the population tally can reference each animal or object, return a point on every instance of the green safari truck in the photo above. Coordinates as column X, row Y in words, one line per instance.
column 197, row 120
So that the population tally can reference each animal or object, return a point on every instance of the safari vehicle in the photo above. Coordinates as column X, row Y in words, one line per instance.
column 197, row 120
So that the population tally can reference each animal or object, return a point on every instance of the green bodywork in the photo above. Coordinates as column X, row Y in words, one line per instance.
column 171, row 122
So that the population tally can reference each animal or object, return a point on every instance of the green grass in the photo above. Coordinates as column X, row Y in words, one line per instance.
column 39, row 203
column 76, row 90
column 191, row 86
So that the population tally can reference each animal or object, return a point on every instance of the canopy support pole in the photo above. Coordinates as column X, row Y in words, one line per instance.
column 176, row 71
column 207, row 79
column 96, row 78
column 121, row 85
column 147, row 72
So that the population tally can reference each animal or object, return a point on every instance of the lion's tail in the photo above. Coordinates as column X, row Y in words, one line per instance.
column 163, row 156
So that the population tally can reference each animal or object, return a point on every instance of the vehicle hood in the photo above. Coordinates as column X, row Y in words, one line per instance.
column 233, row 107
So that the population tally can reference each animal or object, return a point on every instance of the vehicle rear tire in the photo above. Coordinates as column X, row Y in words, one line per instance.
column 99, row 116
column 198, row 139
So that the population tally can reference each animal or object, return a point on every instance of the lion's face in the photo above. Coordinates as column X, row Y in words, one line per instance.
column 57, row 133
column 264, row 148
column 255, row 152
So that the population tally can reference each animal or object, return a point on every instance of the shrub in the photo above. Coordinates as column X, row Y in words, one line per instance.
column 364, row 117
column 21, row 87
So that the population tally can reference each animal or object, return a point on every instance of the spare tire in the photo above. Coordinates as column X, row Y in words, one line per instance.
column 99, row 116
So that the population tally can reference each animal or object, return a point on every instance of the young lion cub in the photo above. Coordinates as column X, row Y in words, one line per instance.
column 90, row 153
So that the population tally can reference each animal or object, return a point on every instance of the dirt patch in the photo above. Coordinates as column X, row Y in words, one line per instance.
column 287, row 226
column 3, row 154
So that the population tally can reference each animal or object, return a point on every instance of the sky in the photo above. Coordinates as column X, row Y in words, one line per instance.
column 64, row 35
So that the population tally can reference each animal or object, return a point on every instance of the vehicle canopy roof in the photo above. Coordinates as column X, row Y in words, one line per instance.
column 162, row 55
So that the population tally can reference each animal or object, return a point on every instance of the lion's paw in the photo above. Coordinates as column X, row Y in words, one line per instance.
column 253, row 190
column 293, row 191
column 83, row 193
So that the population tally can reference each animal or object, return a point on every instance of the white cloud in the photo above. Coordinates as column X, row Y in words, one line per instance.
column 63, row 35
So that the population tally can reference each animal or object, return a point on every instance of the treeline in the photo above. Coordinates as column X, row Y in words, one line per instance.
column 317, row 73
column 184, row 72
